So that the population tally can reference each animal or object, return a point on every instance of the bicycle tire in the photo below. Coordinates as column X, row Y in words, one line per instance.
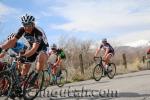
column 112, row 73
column 5, row 85
column 100, row 73
column 47, row 80
column 28, row 84
column 62, row 79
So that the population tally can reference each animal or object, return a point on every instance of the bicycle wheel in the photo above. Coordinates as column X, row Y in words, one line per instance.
column 5, row 85
column 33, row 85
column 61, row 77
column 111, row 70
column 47, row 79
column 98, row 72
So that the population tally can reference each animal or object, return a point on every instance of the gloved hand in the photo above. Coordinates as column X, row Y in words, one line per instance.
column 12, row 55
column 22, row 59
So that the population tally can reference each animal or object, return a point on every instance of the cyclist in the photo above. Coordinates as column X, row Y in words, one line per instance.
column 37, row 41
column 56, row 57
column 108, row 52
column 148, row 54
column 18, row 48
column 148, row 51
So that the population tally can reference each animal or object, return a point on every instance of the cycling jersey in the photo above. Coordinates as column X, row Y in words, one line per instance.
column 107, row 46
column 60, row 53
column 37, row 36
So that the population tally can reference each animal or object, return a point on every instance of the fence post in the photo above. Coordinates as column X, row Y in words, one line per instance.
column 124, row 60
column 143, row 59
column 81, row 64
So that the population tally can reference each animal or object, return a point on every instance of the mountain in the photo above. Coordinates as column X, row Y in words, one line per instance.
column 139, row 43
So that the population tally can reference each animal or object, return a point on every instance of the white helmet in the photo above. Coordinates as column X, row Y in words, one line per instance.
column 27, row 19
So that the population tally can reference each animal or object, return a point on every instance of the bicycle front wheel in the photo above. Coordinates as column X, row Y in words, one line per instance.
column 33, row 85
column 5, row 85
column 47, row 79
column 61, row 77
column 97, row 72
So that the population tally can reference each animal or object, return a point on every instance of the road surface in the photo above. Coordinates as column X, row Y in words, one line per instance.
column 132, row 86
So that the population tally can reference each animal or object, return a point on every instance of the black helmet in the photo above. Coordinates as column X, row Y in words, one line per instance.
column 10, row 36
column 27, row 19
column 53, row 46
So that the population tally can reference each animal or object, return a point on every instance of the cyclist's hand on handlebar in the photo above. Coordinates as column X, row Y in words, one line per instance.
column 22, row 59
column 12, row 55
column 94, row 58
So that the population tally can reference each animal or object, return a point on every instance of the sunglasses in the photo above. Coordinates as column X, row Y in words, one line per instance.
column 28, row 25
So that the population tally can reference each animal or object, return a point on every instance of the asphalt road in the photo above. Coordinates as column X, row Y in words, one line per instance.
column 132, row 86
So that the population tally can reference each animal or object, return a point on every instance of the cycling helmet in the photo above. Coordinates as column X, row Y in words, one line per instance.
column 104, row 40
column 53, row 46
column 27, row 19
column 10, row 36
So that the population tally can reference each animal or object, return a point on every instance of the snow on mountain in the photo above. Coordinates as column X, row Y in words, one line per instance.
column 139, row 43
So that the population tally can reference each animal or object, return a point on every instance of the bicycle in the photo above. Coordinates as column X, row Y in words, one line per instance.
column 99, row 70
column 59, row 79
column 148, row 61
column 33, row 85
column 11, row 80
column 18, row 87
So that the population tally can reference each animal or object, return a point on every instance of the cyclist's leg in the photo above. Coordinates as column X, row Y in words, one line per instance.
column 108, row 57
column 54, row 70
column 19, row 67
column 25, row 69
column 42, row 59
column 59, row 68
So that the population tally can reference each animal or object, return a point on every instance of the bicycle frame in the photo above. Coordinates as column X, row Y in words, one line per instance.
column 13, row 71
column 100, row 61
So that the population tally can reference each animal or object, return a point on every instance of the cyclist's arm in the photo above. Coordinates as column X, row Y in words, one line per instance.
column 9, row 44
column 35, row 46
column 32, row 51
column 97, row 51
column 58, row 61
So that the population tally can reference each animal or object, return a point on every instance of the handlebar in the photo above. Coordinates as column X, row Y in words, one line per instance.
column 100, row 59
column 17, row 57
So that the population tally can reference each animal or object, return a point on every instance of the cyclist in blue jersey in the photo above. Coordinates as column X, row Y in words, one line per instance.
column 18, row 48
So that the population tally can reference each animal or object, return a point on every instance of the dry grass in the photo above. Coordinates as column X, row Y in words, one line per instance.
column 75, row 74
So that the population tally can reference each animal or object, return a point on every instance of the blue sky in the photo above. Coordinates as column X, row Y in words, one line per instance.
column 121, row 21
